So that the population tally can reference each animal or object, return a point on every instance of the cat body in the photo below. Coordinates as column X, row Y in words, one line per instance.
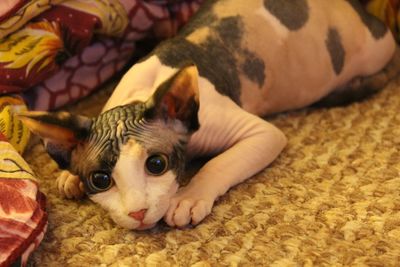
column 202, row 94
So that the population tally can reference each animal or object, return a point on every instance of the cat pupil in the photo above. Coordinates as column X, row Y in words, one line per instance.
column 156, row 164
column 101, row 180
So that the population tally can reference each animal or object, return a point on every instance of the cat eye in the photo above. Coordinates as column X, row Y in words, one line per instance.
column 156, row 164
column 100, row 181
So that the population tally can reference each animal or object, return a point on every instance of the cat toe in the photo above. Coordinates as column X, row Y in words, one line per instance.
column 200, row 211
column 61, row 182
column 69, row 185
column 187, row 211
column 182, row 213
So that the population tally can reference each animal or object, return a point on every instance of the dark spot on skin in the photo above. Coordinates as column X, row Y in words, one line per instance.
column 217, row 56
column 230, row 30
column 336, row 50
column 291, row 13
column 212, row 58
column 374, row 25
column 254, row 68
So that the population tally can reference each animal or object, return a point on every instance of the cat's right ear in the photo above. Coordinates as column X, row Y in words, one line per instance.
column 61, row 132
column 177, row 99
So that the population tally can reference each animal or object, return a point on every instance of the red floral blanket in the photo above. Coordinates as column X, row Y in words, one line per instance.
column 54, row 52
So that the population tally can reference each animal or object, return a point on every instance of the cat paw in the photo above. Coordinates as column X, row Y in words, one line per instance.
column 188, row 208
column 70, row 186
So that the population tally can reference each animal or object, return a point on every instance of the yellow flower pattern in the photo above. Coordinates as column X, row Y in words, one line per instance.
column 30, row 10
column 37, row 43
column 12, row 165
column 10, row 126
column 111, row 13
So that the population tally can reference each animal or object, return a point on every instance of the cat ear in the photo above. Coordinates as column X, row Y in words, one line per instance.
column 60, row 132
column 177, row 99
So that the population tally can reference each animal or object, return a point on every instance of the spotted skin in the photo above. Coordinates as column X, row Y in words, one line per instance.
column 266, row 56
column 224, row 74
column 291, row 13
column 336, row 50
column 251, row 58
column 254, row 68
column 255, row 51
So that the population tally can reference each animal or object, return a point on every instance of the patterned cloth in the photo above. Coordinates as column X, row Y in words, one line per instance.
column 66, row 51
column 52, row 53
column 10, row 127
column 23, row 218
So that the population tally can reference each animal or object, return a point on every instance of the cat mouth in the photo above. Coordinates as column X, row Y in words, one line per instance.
column 140, row 217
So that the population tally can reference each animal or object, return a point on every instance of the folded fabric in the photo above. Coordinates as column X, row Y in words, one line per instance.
column 66, row 49
column 23, row 218
column 10, row 126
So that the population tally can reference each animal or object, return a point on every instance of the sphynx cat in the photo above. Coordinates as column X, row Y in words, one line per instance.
column 202, row 93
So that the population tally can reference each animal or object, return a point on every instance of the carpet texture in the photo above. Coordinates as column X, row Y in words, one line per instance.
column 332, row 198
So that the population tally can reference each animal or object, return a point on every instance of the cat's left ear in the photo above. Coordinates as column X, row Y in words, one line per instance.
column 60, row 132
column 177, row 99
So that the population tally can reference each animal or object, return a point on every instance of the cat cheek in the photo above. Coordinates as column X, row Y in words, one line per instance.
column 123, row 220
column 159, row 202
column 172, row 190
column 169, row 194
column 112, row 204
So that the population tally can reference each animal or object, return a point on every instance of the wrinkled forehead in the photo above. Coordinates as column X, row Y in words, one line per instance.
column 124, row 123
column 114, row 129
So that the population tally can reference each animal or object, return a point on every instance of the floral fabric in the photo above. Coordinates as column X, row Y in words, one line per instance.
column 65, row 52
column 23, row 219
column 11, row 128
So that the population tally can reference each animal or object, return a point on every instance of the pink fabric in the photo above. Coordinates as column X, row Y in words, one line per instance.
column 23, row 219
column 24, row 228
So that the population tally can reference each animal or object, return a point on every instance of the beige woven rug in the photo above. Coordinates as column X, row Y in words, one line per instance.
column 331, row 199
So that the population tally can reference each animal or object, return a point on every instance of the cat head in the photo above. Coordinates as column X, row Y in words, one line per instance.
column 130, row 158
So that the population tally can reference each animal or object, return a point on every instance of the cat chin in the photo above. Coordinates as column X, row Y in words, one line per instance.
column 145, row 226
column 132, row 224
column 157, row 202
column 127, row 222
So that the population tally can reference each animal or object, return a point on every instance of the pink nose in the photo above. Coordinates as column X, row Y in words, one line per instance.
column 138, row 215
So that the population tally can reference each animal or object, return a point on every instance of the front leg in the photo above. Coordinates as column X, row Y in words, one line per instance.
column 249, row 143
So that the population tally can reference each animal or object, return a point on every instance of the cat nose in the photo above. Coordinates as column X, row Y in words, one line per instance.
column 138, row 215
